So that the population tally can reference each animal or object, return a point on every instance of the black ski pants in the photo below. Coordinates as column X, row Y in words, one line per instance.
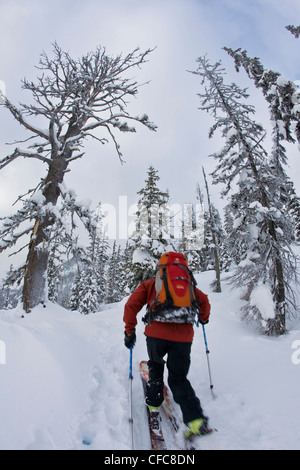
column 178, row 364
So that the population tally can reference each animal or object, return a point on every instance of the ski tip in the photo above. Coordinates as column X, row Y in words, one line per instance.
column 143, row 363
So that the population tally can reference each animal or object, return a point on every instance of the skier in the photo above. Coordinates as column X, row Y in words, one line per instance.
column 175, row 341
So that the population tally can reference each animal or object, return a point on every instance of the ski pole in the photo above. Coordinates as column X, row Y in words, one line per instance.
column 208, row 364
column 130, row 397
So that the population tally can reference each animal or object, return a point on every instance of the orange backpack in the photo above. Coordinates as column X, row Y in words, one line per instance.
column 176, row 299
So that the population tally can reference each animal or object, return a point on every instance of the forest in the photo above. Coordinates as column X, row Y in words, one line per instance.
column 254, row 240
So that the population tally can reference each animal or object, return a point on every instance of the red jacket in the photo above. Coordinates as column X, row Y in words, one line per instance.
column 144, row 294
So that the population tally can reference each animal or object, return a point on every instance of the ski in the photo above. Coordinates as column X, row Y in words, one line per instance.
column 156, row 434
column 168, row 408
column 187, row 443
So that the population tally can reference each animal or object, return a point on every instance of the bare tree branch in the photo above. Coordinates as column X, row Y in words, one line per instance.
column 21, row 153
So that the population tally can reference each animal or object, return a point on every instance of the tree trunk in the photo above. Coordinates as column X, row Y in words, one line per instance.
column 277, row 325
column 217, row 282
column 38, row 254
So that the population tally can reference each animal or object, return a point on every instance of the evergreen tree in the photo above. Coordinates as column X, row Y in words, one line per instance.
column 90, row 283
column 127, row 278
column 293, row 208
column 10, row 291
column 214, row 223
column 278, row 92
column 151, row 237
column 54, row 275
column 266, row 264
column 151, row 222
column 88, row 291
column 283, row 100
column 73, row 303
column 100, row 267
column 295, row 30
column 114, row 287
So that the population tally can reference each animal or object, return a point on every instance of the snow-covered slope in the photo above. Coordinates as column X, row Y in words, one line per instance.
column 65, row 381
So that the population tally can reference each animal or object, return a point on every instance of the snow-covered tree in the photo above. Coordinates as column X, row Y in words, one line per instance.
column 114, row 291
column 279, row 92
column 10, row 288
column 89, row 287
column 214, row 223
column 127, row 277
column 295, row 30
column 266, row 265
column 293, row 207
column 283, row 100
column 54, row 274
column 151, row 237
column 75, row 100
column 73, row 303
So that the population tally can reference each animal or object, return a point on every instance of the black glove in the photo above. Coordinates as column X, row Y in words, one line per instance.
column 130, row 340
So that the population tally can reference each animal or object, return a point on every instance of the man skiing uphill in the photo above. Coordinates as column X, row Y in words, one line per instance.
column 173, row 305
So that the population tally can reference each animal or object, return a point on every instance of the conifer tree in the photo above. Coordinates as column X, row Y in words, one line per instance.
column 213, row 227
column 283, row 100
column 151, row 237
column 90, row 283
column 127, row 280
column 73, row 303
column 266, row 264
column 10, row 289
column 54, row 275
column 114, row 288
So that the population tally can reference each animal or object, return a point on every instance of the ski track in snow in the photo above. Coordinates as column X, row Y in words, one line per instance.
column 66, row 380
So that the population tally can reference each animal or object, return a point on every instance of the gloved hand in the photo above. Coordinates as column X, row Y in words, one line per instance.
column 130, row 340
column 203, row 322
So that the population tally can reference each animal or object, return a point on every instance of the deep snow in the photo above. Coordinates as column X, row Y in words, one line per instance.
column 64, row 383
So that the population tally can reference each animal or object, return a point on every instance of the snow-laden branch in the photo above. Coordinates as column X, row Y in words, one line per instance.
column 22, row 153
column 20, row 118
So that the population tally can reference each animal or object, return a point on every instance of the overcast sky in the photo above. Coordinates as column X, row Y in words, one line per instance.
column 180, row 31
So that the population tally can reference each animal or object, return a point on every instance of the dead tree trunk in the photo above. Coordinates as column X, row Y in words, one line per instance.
column 38, row 253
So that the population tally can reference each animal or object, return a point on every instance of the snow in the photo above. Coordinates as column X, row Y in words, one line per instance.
column 85, row 204
column 282, row 81
column 38, row 198
column 64, row 380
column 141, row 256
column 261, row 298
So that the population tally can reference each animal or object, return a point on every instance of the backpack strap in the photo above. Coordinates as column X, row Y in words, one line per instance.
column 169, row 301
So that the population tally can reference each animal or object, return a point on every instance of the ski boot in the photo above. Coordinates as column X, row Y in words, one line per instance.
column 198, row 427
